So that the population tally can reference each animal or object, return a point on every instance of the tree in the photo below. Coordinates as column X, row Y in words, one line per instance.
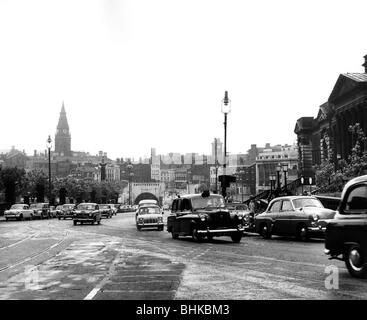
column 12, row 182
column 330, row 180
column 36, row 184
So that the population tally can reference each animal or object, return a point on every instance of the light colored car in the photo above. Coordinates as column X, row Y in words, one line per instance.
column 149, row 216
column 106, row 210
column 53, row 212
column 19, row 211
column 40, row 210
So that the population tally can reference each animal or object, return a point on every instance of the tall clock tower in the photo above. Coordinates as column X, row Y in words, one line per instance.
column 63, row 137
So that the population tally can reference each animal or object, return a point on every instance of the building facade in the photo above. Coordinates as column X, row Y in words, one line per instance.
column 327, row 135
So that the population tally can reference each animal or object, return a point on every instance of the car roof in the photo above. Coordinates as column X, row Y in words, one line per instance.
column 295, row 197
column 88, row 203
column 196, row 195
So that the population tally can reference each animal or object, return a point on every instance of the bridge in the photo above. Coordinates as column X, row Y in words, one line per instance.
column 145, row 190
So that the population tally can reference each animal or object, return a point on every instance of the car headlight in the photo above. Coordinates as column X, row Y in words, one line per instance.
column 315, row 217
column 203, row 217
column 160, row 219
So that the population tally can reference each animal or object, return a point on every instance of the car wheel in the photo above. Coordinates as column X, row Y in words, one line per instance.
column 236, row 238
column 138, row 227
column 92, row 222
column 75, row 222
column 174, row 234
column 355, row 261
column 210, row 237
column 265, row 232
column 99, row 222
column 195, row 236
column 302, row 233
column 6, row 219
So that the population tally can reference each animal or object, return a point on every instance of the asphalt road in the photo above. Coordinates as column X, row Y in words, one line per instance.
column 52, row 259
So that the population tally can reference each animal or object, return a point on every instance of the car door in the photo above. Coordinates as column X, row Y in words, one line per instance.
column 284, row 218
column 185, row 217
column 171, row 219
column 272, row 215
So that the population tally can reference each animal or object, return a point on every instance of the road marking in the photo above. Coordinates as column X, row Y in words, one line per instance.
column 99, row 286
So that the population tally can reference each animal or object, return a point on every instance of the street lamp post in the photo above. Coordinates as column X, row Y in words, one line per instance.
column 278, row 168
column 272, row 183
column 49, row 144
column 226, row 108
column 285, row 170
column 241, row 172
column 129, row 168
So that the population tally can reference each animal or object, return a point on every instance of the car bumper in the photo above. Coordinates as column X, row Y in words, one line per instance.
column 152, row 224
column 220, row 232
column 316, row 229
column 84, row 219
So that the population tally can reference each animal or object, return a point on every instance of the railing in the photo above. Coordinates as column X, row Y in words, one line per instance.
column 290, row 188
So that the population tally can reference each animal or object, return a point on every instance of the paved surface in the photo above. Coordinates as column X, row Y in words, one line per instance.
column 52, row 259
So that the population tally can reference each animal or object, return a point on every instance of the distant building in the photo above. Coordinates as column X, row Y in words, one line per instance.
column 267, row 161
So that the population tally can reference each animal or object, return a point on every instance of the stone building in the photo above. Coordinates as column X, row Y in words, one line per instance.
column 327, row 135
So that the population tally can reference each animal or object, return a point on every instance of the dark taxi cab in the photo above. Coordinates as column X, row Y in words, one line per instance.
column 203, row 216
column 346, row 234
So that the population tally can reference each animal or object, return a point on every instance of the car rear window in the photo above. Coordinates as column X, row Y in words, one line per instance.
column 356, row 201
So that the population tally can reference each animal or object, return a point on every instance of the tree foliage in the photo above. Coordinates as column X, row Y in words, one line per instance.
column 332, row 178
column 12, row 182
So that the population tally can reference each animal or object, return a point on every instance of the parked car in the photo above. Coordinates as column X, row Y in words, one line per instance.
column 243, row 210
column 87, row 212
column 65, row 211
column 53, row 213
column 106, row 210
column 300, row 216
column 40, row 210
column 115, row 208
column 203, row 215
column 346, row 234
column 149, row 216
column 19, row 211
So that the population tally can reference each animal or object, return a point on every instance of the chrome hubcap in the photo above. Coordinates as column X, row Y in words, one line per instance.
column 355, row 259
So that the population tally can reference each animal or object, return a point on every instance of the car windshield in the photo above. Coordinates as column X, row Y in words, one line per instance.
column 207, row 202
column 84, row 206
column 17, row 206
column 104, row 206
column 149, row 210
column 59, row 207
column 307, row 202
column 68, row 206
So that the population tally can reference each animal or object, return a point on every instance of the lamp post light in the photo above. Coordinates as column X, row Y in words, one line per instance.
column 49, row 145
column 278, row 168
column 285, row 170
column 241, row 172
column 272, row 179
column 131, row 174
column 226, row 108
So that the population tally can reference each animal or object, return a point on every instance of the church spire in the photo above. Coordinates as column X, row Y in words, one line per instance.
column 63, row 121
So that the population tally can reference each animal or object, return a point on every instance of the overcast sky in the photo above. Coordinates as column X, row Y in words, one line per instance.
column 136, row 74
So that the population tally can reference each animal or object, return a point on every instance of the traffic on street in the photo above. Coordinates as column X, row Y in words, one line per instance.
column 56, row 259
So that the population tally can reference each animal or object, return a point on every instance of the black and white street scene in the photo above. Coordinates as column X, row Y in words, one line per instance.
column 183, row 150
